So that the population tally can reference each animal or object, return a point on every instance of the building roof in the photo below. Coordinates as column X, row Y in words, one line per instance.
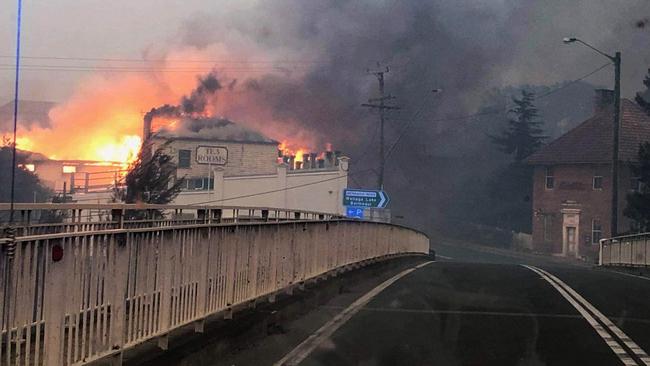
column 213, row 129
column 591, row 141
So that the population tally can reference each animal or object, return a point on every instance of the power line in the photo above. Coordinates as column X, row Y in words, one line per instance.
column 213, row 61
column 469, row 116
column 573, row 81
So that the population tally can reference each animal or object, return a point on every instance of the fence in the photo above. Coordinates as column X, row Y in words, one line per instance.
column 76, row 217
column 629, row 250
column 73, row 298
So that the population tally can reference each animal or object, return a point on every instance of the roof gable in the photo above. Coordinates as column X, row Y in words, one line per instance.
column 591, row 141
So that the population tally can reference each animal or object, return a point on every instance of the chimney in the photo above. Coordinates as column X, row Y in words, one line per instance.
column 604, row 100
column 146, row 127
column 298, row 165
column 337, row 155
column 329, row 158
column 292, row 160
column 312, row 160
column 305, row 161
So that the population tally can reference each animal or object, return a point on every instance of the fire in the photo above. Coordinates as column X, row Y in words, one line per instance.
column 289, row 149
column 102, row 119
column 123, row 151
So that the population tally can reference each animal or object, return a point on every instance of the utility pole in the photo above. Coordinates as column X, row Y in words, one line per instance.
column 617, row 126
column 382, row 108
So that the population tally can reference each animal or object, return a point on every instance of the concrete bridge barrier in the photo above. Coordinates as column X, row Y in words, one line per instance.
column 71, row 298
column 627, row 251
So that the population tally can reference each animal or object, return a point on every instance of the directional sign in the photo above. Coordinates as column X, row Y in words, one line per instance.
column 354, row 212
column 365, row 198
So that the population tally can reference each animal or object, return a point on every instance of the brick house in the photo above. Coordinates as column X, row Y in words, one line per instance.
column 572, row 179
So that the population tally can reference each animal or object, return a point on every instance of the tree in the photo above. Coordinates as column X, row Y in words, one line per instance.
column 28, row 188
column 638, row 202
column 642, row 97
column 524, row 134
column 151, row 178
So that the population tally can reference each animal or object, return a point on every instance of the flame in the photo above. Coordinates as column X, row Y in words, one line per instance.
column 124, row 151
column 102, row 119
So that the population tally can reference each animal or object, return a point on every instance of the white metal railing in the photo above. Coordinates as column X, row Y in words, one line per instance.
column 72, row 298
column 76, row 217
column 628, row 250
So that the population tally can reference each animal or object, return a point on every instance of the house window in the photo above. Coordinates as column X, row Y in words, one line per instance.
column 596, row 231
column 598, row 182
column 184, row 158
column 549, row 178
column 199, row 184
column 635, row 184
column 547, row 227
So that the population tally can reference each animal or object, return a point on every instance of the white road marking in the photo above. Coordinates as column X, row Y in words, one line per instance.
column 443, row 257
column 584, row 308
column 303, row 350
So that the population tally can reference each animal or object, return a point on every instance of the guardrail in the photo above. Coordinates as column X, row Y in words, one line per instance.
column 629, row 250
column 76, row 217
column 74, row 298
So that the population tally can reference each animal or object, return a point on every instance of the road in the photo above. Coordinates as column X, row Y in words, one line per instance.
column 472, row 307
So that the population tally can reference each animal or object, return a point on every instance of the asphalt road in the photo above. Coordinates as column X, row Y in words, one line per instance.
column 475, row 307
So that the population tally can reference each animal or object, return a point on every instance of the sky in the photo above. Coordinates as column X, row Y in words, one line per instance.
column 303, row 64
column 130, row 29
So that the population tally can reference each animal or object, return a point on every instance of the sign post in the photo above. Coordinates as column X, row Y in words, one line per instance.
column 364, row 198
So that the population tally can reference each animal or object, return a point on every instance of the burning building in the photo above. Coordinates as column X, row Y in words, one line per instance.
column 224, row 163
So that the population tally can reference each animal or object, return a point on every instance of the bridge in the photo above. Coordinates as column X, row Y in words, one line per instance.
column 81, row 283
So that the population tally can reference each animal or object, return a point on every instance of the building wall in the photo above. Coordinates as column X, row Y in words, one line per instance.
column 243, row 158
column 573, row 192
column 311, row 190
column 307, row 190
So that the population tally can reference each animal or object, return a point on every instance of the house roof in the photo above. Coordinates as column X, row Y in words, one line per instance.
column 591, row 141
column 213, row 129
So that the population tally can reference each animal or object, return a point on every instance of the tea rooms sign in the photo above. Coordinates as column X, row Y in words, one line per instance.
column 215, row 155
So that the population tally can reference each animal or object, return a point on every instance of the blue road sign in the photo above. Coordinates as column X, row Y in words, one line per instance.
column 365, row 198
column 354, row 212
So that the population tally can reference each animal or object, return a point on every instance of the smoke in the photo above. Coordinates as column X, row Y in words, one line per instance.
column 297, row 71
column 192, row 105
column 212, row 128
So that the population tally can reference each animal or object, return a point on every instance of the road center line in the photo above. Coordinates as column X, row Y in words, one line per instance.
column 627, row 350
column 303, row 350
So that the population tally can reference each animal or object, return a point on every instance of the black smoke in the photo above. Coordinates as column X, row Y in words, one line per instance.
column 466, row 48
column 190, row 105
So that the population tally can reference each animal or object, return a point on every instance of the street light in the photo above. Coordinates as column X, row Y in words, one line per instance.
column 616, row 59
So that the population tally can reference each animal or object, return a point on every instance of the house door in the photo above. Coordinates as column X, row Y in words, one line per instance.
column 570, row 232
column 571, row 241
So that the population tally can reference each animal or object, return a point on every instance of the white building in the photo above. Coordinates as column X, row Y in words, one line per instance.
column 225, row 164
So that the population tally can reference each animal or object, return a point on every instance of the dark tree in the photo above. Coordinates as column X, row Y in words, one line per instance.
column 151, row 178
column 638, row 202
column 524, row 133
column 642, row 97
column 28, row 187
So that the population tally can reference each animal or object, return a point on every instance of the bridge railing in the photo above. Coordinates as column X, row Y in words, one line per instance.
column 73, row 298
column 629, row 250
column 32, row 219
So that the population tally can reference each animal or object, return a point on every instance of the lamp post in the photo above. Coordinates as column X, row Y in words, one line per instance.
column 616, row 60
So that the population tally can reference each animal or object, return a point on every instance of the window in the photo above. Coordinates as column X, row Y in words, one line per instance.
column 635, row 184
column 184, row 158
column 69, row 169
column 596, row 231
column 547, row 227
column 550, row 178
column 199, row 184
column 598, row 182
